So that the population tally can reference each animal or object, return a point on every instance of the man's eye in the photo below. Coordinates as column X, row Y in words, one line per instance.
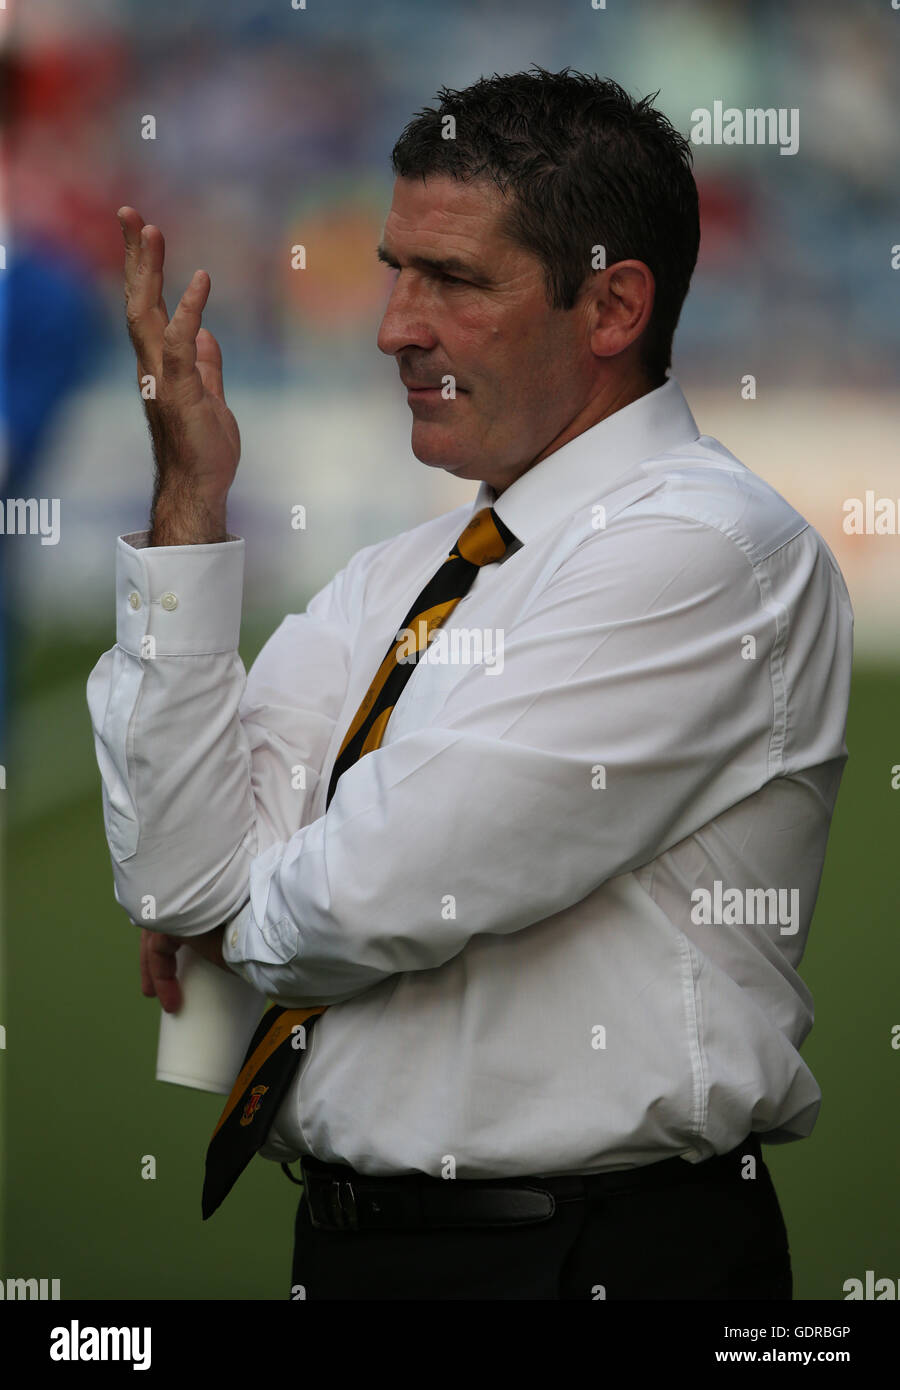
column 450, row 279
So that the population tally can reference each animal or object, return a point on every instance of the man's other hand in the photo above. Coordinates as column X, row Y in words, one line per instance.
column 159, row 964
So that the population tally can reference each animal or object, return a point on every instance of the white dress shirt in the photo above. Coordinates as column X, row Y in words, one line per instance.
column 503, row 904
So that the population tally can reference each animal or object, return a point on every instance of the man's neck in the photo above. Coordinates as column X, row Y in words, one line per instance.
column 598, row 408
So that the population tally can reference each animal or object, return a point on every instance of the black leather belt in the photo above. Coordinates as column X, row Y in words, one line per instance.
column 340, row 1199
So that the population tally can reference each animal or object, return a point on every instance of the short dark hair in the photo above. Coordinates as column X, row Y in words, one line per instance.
column 587, row 165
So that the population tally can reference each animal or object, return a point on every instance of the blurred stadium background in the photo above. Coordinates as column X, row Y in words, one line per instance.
column 274, row 127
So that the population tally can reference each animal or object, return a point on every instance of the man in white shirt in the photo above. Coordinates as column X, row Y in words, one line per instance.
column 556, row 911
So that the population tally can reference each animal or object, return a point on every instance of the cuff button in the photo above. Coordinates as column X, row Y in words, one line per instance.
column 134, row 599
column 169, row 601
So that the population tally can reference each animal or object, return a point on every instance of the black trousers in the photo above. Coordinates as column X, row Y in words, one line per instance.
column 718, row 1235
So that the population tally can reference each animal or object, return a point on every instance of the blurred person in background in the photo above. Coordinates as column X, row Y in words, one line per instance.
column 53, row 328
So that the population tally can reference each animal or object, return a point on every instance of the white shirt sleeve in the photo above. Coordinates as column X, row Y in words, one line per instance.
column 202, row 766
column 627, row 714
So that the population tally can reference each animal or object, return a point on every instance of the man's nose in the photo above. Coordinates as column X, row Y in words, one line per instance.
column 404, row 324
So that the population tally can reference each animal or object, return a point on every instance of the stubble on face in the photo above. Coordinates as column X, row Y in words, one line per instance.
column 470, row 305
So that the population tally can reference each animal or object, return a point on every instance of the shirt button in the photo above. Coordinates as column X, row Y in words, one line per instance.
column 233, row 939
column 134, row 599
column 169, row 601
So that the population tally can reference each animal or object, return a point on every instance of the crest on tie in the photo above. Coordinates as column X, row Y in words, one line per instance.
column 254, row 1100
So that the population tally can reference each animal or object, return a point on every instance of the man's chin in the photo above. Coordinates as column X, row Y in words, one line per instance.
column 444, row 454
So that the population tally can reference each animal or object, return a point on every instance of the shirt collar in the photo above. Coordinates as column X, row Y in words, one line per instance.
column 585, row 467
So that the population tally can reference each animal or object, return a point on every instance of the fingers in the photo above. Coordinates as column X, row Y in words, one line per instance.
column 179, row 339
column 160, row 952
column 209, row 363
column 145, row 309
column 147, row 987
column 170, row 347
column 131, row 223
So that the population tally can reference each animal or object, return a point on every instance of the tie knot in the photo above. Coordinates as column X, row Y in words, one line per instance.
column 485, row 539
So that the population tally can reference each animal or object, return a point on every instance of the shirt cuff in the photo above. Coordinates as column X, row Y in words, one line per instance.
column 234, row 940
column 178, row 600
column 264, row 952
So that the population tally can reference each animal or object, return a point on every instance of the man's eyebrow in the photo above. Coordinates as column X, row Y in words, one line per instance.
column 444, row 265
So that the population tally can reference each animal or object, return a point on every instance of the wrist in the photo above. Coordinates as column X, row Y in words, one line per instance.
column 209, row 945
column 183, row 517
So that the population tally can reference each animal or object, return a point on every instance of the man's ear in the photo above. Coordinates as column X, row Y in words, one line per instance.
column 621, row 301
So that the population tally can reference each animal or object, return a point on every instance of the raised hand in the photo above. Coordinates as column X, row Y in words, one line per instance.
column 196, row 441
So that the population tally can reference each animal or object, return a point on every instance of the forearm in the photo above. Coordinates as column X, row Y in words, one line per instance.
column 179, row 516
column 199, row 761
column 176, row 767
column 393, row 879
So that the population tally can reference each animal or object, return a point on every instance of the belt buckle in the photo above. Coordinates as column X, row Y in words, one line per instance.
column 342, row 1204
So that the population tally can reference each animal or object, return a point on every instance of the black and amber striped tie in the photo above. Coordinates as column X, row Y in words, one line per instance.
column 272, row 1056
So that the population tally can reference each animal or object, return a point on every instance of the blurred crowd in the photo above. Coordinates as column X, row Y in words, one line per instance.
column 273, row 126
